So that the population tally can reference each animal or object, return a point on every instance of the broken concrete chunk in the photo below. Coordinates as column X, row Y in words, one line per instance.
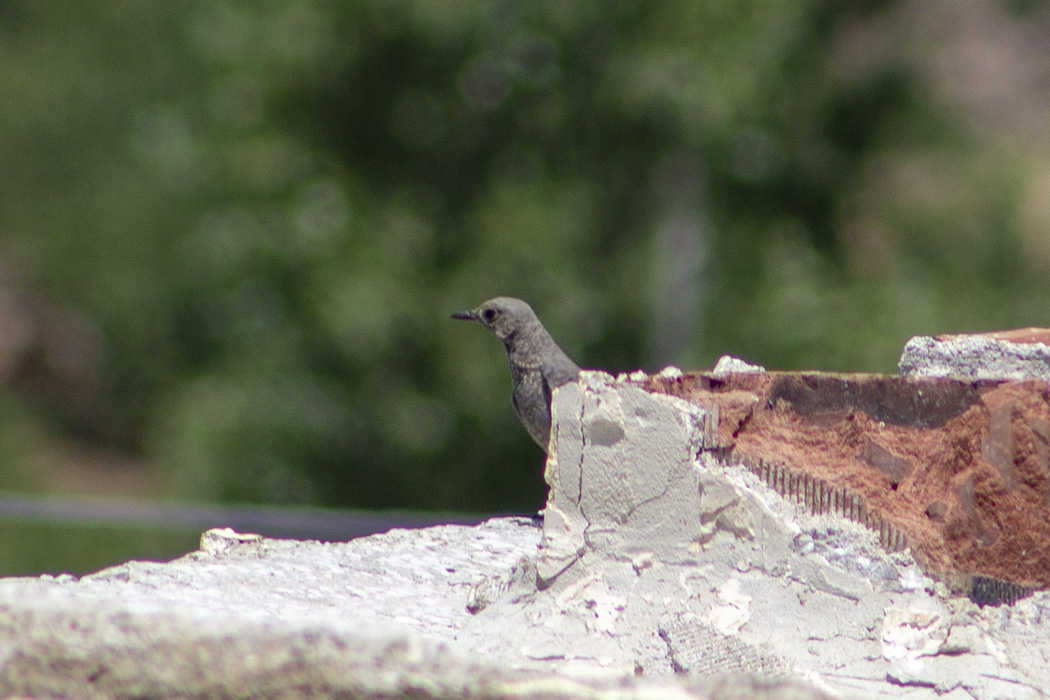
column 616, row 509
column 721, row 510
column 563, row 543
column 1018, row 354
column 728, row 364
column 220, row 540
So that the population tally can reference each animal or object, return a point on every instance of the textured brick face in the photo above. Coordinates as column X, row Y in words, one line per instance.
column 957, row 469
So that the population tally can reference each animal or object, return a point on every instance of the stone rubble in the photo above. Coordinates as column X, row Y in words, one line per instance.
column 665, row 561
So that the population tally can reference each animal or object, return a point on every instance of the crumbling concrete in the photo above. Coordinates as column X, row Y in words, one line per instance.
column 385, row 616
column 735, row 575
column 1017, row 354
column 784, row 528
column 956, row 469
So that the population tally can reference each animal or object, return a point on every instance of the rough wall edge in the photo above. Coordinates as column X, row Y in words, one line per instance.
column 820, row 498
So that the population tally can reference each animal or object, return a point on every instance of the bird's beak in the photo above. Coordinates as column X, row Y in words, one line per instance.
column 466, row 315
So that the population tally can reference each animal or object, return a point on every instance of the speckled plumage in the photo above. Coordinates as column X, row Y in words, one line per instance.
column 537, row 364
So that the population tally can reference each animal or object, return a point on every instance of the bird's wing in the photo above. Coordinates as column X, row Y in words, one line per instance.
column 535, row 415
column 560, row 370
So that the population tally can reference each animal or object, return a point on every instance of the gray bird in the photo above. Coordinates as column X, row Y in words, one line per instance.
column 537, row 364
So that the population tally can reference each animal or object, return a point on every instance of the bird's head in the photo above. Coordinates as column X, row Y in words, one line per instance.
column 503, row 316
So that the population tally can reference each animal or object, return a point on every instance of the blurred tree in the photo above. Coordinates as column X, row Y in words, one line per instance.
column 267, row 211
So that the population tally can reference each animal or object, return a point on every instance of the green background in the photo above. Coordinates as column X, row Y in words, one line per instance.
column 231, row 233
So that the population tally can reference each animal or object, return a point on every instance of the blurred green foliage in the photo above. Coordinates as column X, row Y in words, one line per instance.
column 247, row 223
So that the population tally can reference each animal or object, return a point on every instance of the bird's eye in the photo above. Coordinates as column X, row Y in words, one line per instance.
column 488, row 314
